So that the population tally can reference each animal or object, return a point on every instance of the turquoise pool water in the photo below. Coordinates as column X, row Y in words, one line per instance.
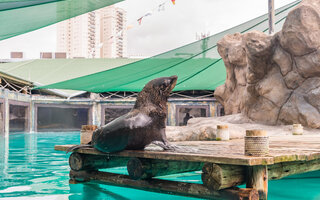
column 31, row 169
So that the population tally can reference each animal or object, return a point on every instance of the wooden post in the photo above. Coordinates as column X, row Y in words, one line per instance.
column 271, row 16
column 78, row 161
column 256, row 143
column 163, row 186
column 140, row 168
column 257, row 178
column 86, row 133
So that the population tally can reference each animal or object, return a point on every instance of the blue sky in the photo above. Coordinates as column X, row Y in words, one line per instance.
column 175, row 26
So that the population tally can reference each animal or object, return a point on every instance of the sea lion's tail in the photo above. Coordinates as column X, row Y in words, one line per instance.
column 75, row 147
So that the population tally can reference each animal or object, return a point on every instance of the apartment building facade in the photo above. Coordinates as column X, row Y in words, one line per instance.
column 98, row 34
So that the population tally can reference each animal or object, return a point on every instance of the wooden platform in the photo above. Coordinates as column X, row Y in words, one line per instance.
column 223, row 165
column 282, row 149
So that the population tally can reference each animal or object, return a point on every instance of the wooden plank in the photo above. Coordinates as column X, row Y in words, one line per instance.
column 163, row 186
column 281, row 148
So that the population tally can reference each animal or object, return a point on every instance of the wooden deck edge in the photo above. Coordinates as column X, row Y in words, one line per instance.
column 249, row 161
column 162, row 186
column 294, row 157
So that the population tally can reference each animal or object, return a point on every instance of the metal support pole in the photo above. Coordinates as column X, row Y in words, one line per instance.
column 271, row 16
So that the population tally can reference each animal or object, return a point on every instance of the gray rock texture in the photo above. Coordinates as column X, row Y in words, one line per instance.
column 275, row 79
column 206, row 128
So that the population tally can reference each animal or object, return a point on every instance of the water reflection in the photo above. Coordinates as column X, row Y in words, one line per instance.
column 30, row 166
column 31, row 146
column 32, row 169
column 4, row 155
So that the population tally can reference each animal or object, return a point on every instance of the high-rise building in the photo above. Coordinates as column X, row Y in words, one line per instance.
column 98, row 34
column 78, row 36
column 113, row 32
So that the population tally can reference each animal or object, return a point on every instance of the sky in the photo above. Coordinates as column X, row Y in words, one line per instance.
column 173, row 27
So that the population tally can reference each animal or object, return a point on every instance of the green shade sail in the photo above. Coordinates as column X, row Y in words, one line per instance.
column 47, row 71
column 22, row 16
column 197, row 65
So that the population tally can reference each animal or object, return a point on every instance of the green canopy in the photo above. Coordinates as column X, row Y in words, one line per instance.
column 22, row 16
column 197, row 65
column 47, row 71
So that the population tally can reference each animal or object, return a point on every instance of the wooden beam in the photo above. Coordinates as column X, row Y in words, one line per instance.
column 163, row 186
column 78, row 161
column 220, row 176
column 217, row 177
column 15, row 79
column 271, row 16
column 281, row 170
column 141, row 168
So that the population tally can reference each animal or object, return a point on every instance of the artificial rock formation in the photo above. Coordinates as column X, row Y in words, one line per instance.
column 275, row 79
column 205, row 128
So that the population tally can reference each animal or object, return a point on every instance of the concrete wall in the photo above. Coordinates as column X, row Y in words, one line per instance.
column 9, row 97
column 95, row 105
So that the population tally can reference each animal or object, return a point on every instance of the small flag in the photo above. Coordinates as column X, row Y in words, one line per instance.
column 148, row 14
column 140, row 20
column 161, row 7
column 173, row 2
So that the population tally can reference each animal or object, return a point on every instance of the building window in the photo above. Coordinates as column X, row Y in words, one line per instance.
column 184, row 113
column 220, row 110
column 61, row 118
column 110, row 113
column 18, row 117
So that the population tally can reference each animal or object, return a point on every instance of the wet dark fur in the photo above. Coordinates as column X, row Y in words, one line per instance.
column 144, row 124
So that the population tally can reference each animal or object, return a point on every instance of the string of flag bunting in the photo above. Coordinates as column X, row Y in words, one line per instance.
column 159, row 8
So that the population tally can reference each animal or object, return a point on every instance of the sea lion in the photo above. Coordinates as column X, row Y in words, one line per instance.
column 144, row 124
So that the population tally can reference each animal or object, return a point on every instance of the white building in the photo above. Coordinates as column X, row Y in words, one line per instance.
column 113, row 32
column 98, row 34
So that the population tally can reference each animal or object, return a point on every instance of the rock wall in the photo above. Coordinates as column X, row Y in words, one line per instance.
column 275, row 79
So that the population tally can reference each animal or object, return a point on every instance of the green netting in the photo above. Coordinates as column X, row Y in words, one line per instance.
column 21, row 16
column 197, row 65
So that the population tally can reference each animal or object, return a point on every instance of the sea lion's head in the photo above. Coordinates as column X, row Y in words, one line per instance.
column 164, row 84
column 156, row 91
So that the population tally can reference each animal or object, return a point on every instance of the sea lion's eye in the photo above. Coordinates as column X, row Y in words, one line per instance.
column 166, row 83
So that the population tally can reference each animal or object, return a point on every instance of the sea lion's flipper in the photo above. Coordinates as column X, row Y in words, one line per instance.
column 165, row 146
column 75, row 147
